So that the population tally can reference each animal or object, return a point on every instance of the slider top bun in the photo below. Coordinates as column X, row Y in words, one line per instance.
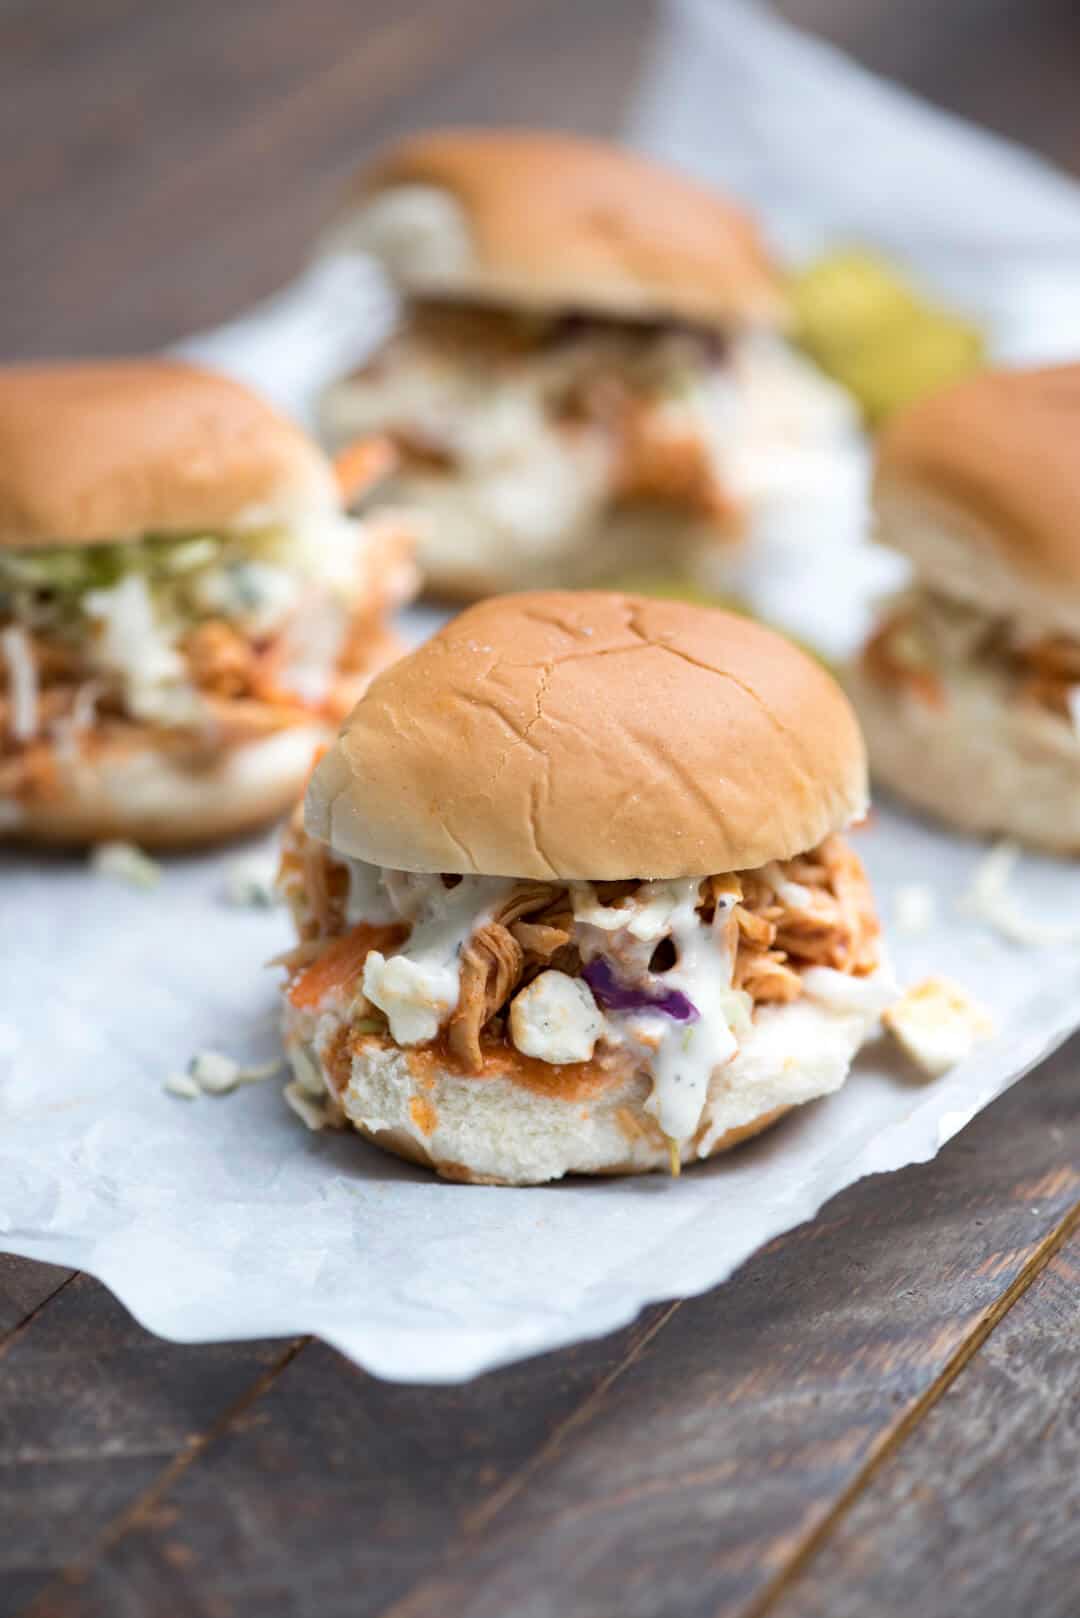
column 595, row 736
column 113, row 450
column 554, row 222
column 980, row 485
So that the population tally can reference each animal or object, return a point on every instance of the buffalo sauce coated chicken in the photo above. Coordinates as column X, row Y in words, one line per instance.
column 925, row 638
column 521, row 956
column 626, row 385
column 191, row 645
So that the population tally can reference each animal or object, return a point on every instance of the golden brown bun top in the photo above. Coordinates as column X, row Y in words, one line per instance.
column 113, row 450
column 999, row 454
column 592, row 735
column 552, row 221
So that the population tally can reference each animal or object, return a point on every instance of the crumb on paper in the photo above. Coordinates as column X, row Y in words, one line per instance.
column 212, row 1073
column 916, row 909
column 251, row 882
column 123, row 862
column 988, row 900
column 937, row 1024
column 307, row 1110
column 182, row 1085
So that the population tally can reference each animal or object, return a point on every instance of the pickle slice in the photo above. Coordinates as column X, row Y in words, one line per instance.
column 870, row 330
column 909, row 359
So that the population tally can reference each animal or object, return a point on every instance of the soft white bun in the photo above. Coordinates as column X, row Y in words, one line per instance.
column 113, row 450
column 499, row 1130
column 979, row 486
column 156, row 800
column 547, row 221
column 978, row 761
column 592, row 736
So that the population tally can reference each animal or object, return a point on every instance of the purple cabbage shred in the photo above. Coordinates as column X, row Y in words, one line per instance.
column 615, row 996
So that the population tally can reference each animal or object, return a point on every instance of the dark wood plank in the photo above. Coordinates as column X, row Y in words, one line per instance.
column 25, row 1287
column 168, row 165
column 92, row 1410
column 985, row 1498
column 687, row 1483
column 333, row 1492
column 1007, row 64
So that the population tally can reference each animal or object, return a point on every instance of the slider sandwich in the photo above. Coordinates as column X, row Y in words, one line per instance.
column 589, row 376
column 573, row 894
column 969, row 690
column 186, row 611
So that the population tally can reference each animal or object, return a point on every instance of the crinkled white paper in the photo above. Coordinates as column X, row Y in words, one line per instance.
column 223, row 1217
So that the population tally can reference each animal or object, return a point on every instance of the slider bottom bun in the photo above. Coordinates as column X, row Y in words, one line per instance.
column 399, row 1143
column 149, row 797
column 982, row 760
column 462, row 558
column 524, row 1126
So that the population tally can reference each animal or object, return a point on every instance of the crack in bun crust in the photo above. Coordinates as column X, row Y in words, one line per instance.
column 592, row 736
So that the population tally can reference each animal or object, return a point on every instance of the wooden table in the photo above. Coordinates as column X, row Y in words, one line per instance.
column 880, row 1413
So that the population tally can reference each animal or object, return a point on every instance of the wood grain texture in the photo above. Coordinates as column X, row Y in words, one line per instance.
column 332, row 1492
column 1007, row 64
column 688, row 1481
column 169, row 165
column 92, row 1409
column 24, row 1289
column 806, row 1440
column 983, row 1499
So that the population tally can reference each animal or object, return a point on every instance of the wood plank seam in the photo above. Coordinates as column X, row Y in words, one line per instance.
column 894, row 1439
column 76, row 1571
column 476, row 1521
column 15, row 1332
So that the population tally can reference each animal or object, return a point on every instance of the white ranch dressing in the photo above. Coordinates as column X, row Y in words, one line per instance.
column 690, row 1052
column 23, row 680
column 367, row 898
column 839, row 991
column 418, row 988
column 683, row 1055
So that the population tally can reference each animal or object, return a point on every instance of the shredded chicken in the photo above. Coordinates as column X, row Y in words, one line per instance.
column 60, row 682
column 904, row 651
column 503, row 955
column 234, row 678
column 1049, row 670
column 835, row 925
column 813, row 910
column 491, row 964
column 220, row 659
column 673, row 467
column 533, row 899
column 888, row 660
column 29, row 773
column 315, row 886
column 326, row 884
column 608, row 378
column 540, row 941
column 363, row 465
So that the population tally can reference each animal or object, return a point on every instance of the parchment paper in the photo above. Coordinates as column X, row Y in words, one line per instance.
column 223, row 1217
